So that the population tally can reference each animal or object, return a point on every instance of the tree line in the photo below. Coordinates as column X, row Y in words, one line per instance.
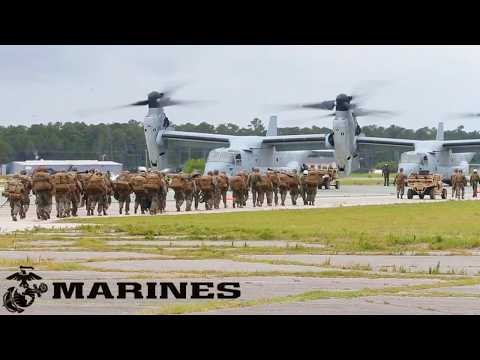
column 125, row 142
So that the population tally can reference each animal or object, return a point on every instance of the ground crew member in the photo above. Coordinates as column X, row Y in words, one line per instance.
column 474, row 179
column 452, row 181
column 400, row 181
column 460, row 182
column 386, row 175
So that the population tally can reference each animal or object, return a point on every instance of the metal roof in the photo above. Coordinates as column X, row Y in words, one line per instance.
column 65, row 162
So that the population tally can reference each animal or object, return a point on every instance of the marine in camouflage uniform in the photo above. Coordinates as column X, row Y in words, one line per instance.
column 452, row 181
column 122, row 189
column 273, row 175
column 474, row 180
column 217, row 195
column 295, row 187
column 265, row 190
column 253, row 179
column 76, row 191
column 303, row 187
column 400, row 181
column 14, row 193
column 460, row 182
column 96, row 197
column 62, row 197
column 43, row 198
column 27, row 184
column 196, row 192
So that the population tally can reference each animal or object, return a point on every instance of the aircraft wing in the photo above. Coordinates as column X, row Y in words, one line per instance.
column 296, row 142
column 213, row 139
column 366, row 141
column 462, row 146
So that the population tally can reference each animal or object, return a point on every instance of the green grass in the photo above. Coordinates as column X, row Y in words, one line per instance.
column 362, row 179
column 389, row 228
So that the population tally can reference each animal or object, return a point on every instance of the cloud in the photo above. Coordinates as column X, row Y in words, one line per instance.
column 50, row 83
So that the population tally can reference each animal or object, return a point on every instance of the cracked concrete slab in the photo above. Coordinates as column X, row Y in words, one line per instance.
column 469, row 264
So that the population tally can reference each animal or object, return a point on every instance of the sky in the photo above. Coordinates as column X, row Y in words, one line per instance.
column 41, row 84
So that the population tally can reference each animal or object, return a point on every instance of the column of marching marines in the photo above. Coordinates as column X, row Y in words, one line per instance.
column 94, row 190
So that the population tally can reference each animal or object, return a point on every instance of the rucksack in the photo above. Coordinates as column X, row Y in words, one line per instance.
column 312, row 179
column 15, row 189
column 152, row 182
column 205, row 183
column 237, row 183
column 41, row 181
column 283, row 181
column 222, row 182
column 138, row 182
column 177, row 183
column 96, row 184
column 62, row 182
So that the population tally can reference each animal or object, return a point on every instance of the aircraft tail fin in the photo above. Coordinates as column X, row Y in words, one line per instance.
column 272, row 126
column 440, row 132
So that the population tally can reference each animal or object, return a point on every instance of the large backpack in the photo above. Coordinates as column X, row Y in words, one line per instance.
column 96, row 184
column 205, row 183
column 284, row 181
column 41, row 181
column 15, row 189
column 122, row 183
column 222, row 182
column 177, row 183
column 138, row 182
column 265, row 183
column 312, row 179
column 237, row 183
column 294, row 182
column 62, row 182
column 153, row 182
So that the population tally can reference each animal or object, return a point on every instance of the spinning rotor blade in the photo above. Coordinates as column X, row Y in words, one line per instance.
column 324, row 105
column 366, row 89
column 366, row 112
column 464, row 115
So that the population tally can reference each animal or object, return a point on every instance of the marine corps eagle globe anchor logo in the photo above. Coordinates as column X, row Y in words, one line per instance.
column 17, row 298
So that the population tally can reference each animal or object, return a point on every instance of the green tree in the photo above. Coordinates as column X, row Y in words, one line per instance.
column 194, row 164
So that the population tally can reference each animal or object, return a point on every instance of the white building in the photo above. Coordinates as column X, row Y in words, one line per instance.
column 15, row 167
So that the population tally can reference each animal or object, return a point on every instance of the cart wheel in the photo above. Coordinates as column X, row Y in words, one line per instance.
column 444, row 193
column 410, row 194
column 421, row 196
column 432, row 194
column 337, row 185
